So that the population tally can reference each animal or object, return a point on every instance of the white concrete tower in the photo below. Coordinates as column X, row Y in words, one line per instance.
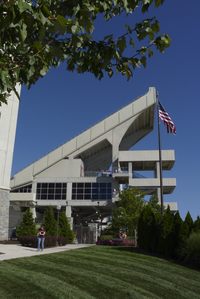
column 8, row 122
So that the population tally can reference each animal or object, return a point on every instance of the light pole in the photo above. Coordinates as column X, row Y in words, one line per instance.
column 99, row 220
column 58, row 207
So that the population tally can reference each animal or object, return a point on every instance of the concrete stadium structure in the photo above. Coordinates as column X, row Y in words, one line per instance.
column 8, row 122
column 84, row 175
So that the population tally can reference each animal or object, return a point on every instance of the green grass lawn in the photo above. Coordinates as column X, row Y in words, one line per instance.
column 97, row 272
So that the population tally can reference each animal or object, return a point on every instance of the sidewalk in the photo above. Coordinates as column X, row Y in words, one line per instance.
column 8, row 252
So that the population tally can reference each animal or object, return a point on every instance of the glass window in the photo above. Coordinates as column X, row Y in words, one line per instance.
column 80, row 185
column 44, row 196
column 79, row 196
column 87, row 196
column 51, row 191
column 51, row 185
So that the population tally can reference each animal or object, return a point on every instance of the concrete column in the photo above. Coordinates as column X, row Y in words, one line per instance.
column 159, row 195
column 15, row 217
column 4, row 214
column 130, row 169
column 69, row 191
column 33, row 211
column 157, row 170
column 115, row 138
column 8, row 123
column 68, row 214
column 157, row 175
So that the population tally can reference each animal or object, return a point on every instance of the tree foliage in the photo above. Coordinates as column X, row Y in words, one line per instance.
column 191, row 251
column 49, row 222
column 64, row 227
column 37, row 35
column 154, row 203
column 197, row 224
column 187, row 225
column 27, row 226
column 128, row 208
column 147, row 229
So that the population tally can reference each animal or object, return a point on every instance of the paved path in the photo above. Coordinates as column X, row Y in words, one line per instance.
column 8, row 252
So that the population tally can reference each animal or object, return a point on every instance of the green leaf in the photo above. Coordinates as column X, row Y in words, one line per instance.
column 23, row 32
column 150, row 53
column 62, row 21
column 158, row 2
column 74, row 29
column 143, row 61
column 23, row 6
column 44, row 70
column 121, row 44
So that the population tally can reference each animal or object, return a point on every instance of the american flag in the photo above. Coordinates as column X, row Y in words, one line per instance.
column 164, row 116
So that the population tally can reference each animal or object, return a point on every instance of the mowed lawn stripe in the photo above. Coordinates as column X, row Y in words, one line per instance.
column 23, row 283
column 132, row 257
column 161, row 269
column 97, row 272
column 98, row 284
column 136, row 276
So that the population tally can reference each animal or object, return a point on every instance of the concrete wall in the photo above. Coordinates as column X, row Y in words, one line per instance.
column 62, row 169
column 4, row 214
column 146, row 155
column 8, row 122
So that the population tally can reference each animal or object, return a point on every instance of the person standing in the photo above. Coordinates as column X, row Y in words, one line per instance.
column 40, row 238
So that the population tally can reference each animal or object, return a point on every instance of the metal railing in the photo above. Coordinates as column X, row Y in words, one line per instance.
column 100, row 173
column 108, row 173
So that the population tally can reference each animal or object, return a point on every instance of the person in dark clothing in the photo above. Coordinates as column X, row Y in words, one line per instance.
column 41, row 237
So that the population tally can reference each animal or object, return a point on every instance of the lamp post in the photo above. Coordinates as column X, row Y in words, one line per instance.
column 58, row 207
column 99, row 220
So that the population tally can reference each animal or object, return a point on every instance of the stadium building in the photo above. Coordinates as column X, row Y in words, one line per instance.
column 84, row 175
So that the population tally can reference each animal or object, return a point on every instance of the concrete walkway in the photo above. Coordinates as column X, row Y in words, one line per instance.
column 8, row 252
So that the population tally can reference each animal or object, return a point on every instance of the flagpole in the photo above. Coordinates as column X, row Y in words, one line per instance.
column 160, row 155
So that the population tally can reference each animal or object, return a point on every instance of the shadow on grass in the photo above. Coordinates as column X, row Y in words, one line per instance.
column 139, row 251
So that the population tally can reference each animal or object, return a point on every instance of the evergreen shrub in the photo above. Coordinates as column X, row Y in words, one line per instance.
column 66, row 235
column 27, row 226
column 191, row 250
column 50, row 222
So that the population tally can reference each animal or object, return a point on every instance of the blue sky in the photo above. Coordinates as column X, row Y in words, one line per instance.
column 63, row 104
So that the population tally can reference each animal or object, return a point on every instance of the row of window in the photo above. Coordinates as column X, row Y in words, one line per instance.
column 93, row 191
column 24, row 189
column 51, row 191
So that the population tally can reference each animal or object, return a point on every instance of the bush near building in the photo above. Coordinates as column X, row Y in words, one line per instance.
column 65, row 233
column 50, row 222
column 127, row 211
column 191, row 250
column 27, row 226
column 169, row 236
column 60, row 234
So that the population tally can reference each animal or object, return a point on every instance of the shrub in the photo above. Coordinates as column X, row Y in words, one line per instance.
column 178, row 235
column 28, row 241
column 191, row 251
column 31, row 241
column 49, row 222
column 187, row 225
column 147, row 229
column 197, row 224
column 27, row 226
column 65, row 233
column 106, row 237
column 166, row 239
